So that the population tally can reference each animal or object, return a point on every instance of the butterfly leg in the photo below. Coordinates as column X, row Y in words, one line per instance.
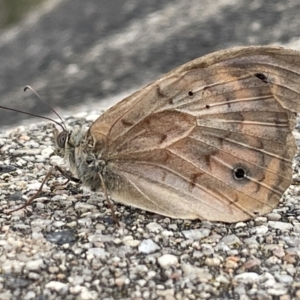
column 50, row 172
column 109, row 203
column 67, row 175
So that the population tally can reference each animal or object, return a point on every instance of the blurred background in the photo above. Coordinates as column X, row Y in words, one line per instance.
column 89, row 54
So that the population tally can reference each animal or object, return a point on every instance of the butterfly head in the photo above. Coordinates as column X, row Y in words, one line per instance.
column 65, row 144
column 75, row 147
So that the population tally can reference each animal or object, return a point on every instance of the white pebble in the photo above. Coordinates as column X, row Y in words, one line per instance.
column 240, row 224
column 99, row 253
column 196, row 234
column 222, row 279
column 274, row 216
column 165, row 293
column 47, row 152
column 202, row 274
column 131, row 242
column 154, row 227
column 56, row 160
column 33, row 186
column 286, row 279
column 266, row 277
column 283, row 226
column 214, row 261
column 57, row 286
column 167, row 260
column 148, row 246
column 246, row 278
column 260, row 230
column 277, row 291
column 9, row 266
column 260, row 219
column 58, row 224
column 167, row 233
column 29, row 295
column 6, row 295
column 34, row 265
column 231, row 240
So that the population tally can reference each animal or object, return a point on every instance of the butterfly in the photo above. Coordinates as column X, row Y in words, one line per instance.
column 210, row 140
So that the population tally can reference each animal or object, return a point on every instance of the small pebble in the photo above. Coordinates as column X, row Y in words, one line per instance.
column 98, row 253
column 246, row 278
column 231, row 240
column 214, row 261
column 280, row 225
column 201, row 273
column 274, row 217
column 148, row 246
column 167, row 260
column 154, row 227
column 260, row 230
column 286, row 279
column 277, row 291
column 57, row 286
column 196, row 234
column 34, row 265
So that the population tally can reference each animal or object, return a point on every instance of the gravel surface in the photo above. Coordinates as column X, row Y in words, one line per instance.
column 66, row 245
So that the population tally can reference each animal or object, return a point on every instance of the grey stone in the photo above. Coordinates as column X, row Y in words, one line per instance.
column 246, row 278
column 196, row 234
column 283, row 226
column 231, row 239
column 154, row 227
column 35, row 265
column 148, row 246
column 57, row 286
column 283, row 278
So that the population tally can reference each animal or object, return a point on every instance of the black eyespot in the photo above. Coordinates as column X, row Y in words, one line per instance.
column 89, row 161
column 62, row 138
column 207, row 106
column 190, row 93
column 263, row 77
column 239, row 173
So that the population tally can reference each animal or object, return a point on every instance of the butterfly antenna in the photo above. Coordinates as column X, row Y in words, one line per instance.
column 28, row 87
column 33, row 115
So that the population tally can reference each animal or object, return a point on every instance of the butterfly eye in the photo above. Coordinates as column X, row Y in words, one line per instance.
column 61, row 139
column 239, row 173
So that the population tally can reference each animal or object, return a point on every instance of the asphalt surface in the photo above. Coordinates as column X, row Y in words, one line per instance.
column 73, row 52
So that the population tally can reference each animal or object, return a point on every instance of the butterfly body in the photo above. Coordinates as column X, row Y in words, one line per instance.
column 210, row 140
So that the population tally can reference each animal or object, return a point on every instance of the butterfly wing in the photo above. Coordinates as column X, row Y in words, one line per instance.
column 210, row 140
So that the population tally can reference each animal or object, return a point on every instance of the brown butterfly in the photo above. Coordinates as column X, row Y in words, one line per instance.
column 211, row 140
